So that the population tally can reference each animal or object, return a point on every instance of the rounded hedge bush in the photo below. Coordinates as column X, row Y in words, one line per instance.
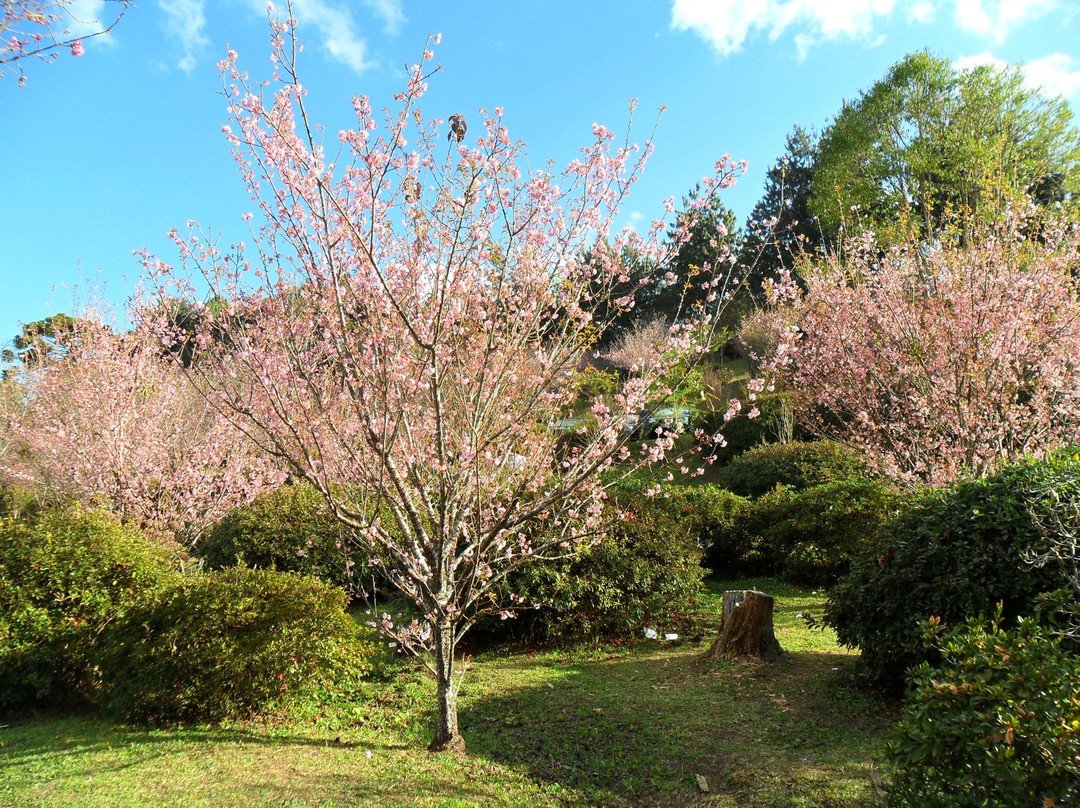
column 64, row 576
column 226, row 644
column 645, row 571
column 810, row 536
column 798, row 465
column 289, row 529
column 950, row 554
column 995, row 725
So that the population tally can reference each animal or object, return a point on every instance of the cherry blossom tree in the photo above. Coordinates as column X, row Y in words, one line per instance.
column 407, row 326
column 114, row 422
column 42, row 28
column 938, row 362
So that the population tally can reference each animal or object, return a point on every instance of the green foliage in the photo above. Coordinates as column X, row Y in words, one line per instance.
column 594, row 381
column 289, row 529
column 63, row 578
column 930, row 149
column 995, row 725
column 811, row 535
column 714, row 517
column 798, row 465
column 38, row 341
column 645, row 571
column 225, row 644
column 93, row 612
column 950, row 554
column 16, row 502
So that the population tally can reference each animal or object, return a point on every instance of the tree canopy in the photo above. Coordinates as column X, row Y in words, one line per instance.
column 931, row 149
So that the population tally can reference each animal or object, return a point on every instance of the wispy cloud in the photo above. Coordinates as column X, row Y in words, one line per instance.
column 997, row 18
column 335, row 28
column 1056, row 74
column 390, row 12
column 336, row 31
column 185, row 21
column 728, row 24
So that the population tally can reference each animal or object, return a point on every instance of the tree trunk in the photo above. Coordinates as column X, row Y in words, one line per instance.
column 446, row 738
column 747, row 628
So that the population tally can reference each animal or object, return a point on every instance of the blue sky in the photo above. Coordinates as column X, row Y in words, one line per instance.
column 104, row 153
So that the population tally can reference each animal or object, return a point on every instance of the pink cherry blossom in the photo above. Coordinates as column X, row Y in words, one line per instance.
column 408, row 331
column 938, row 362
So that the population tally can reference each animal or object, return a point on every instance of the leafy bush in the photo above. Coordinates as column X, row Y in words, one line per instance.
column 950, row 554
column 799, row 465
column 646, row 571
column 225, row 644
column 91, row 611
column 63, row 577
column 288, row 529
column 714, row 517
column 811, row 535
column 995, row 725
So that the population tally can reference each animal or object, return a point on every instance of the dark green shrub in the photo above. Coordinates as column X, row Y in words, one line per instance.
column 715, row 518
column 995, row 725
column 225, row 644
column 63, row 577
column 949, row 554
column 646, row 571
column 289, row 529
column 798, row 465
column 810, row 536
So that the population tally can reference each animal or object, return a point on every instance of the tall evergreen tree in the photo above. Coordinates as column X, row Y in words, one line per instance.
column 781, row 226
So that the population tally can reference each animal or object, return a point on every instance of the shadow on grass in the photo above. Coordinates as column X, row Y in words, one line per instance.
column 42, row 739
column 636, row 731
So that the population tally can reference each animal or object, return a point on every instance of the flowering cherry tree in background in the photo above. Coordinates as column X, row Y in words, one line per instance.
column 42, row 28
column 938, row 362
column 407, row 327
column 114, row 422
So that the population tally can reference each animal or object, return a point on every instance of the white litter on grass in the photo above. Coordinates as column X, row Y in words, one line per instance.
column 671, row 636
column 650, row 633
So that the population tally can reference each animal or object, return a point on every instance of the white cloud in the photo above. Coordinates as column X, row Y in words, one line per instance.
column 1056, row 74
column 186, row 21
column 727, row 24
column 979, row 59
column 389, row 11
column 335, row 28
column 922, row 11
column 997, row 18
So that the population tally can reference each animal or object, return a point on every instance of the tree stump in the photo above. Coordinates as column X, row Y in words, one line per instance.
column 747, row 628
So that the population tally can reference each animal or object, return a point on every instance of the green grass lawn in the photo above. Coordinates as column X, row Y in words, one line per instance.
column 612, row 725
